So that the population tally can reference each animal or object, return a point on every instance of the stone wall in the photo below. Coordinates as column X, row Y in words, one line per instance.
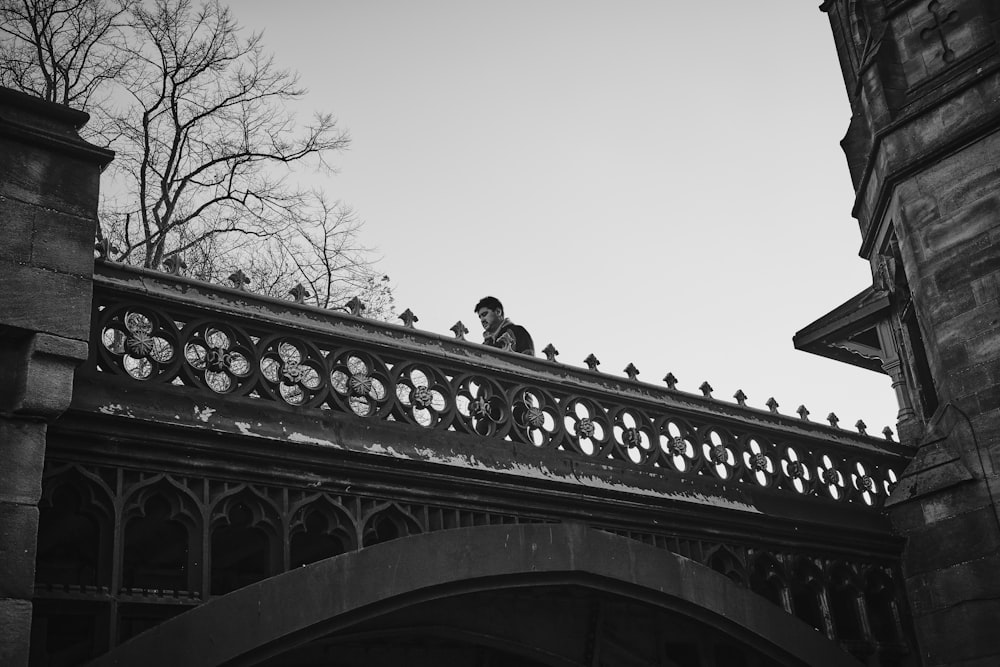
column 48, row 211
column 923, row 149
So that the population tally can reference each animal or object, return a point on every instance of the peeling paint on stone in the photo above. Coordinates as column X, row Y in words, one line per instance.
column 309, row 440
column 115, row 409
column 204, row 414
column 540, row 471
column 687, row 497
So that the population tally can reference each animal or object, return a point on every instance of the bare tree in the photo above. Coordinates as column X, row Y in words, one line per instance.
column 207, row 142
column 207, row 147
column 63, row 51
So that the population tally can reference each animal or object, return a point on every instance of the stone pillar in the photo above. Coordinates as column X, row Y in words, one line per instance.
column 48, row 211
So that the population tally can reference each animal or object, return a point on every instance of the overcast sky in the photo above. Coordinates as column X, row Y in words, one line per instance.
column 656, row 182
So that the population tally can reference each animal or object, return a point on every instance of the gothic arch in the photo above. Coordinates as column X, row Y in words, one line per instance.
column 335, row 595
column 387, row 522
column 725, row 562
column 245, row 540
column 76, row 521
column 319, row 528
column 160, row 528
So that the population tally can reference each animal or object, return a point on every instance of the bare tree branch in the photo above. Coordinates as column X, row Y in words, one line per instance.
column 203, row 124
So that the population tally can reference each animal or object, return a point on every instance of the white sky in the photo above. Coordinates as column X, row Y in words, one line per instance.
column 657, row 182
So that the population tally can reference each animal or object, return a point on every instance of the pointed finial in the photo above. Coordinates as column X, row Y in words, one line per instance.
column 833, row 419
column 861, row 426
column 887, row 432
column 408, row 318
column 459, row 330
column 174, row 264
column 355, row 306
column 671, row 381
column 706, row 389
column 631, row 371
column 105, row 249
column 239, row 280
column 550, row 352
column 740, row 397
column 592, row 362
column 772, row 405
column 803, row 412
column 299, row 293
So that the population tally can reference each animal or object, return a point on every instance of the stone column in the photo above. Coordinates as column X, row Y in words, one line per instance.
column 48, row 211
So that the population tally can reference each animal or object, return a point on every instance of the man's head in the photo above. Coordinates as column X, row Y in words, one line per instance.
column 490, row 312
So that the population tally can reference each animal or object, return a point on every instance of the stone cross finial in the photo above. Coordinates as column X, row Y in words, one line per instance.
column 772, row 405
column 355, row 306
column 174, row 264
column 592, row 362
column 459, row 330
column 409, row 318
column 803, row 412
column 239, row 280
column 706, row 389
column 104, row 249
column 861, row 426
column 631, row 371
column 299, row 293
column 671, row 381
column 550, row 352
column 740, row 397
column 887, row 432
column 833, row 419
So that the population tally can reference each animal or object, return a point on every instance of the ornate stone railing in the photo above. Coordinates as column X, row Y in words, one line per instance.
column 160, row 329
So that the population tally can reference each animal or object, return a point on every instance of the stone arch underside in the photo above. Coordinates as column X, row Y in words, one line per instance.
column 444, row 577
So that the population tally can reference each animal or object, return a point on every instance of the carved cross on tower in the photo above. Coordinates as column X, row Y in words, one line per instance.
column 938, row 28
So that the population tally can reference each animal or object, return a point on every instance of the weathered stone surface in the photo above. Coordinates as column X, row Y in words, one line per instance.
column 942, row 505
column 15, row 631
column 68, row 184
column 18, row 530
column 63, row 243
column 37, row 374
column 17, row 220
column 965, row 632
column 27, row 292
column 971, row 580
column 964, row 537
column 22, row 450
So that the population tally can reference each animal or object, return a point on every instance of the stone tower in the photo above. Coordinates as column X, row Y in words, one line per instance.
column 923, row 150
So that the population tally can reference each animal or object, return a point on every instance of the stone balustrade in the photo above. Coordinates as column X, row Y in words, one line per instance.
column 161, row 329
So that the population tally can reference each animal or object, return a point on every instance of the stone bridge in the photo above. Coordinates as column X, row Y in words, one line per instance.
column 217, row 439
column 194, row 474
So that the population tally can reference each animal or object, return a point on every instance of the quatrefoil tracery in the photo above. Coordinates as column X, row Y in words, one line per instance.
column 294, row 370
column 482, row 406
column 139, row 342
column 423, row 394
column 585, row 426
column 219, row 357
column 534, row 414
column 360, row 383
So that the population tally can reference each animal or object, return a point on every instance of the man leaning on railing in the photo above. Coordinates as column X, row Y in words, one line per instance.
column 499, row 331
